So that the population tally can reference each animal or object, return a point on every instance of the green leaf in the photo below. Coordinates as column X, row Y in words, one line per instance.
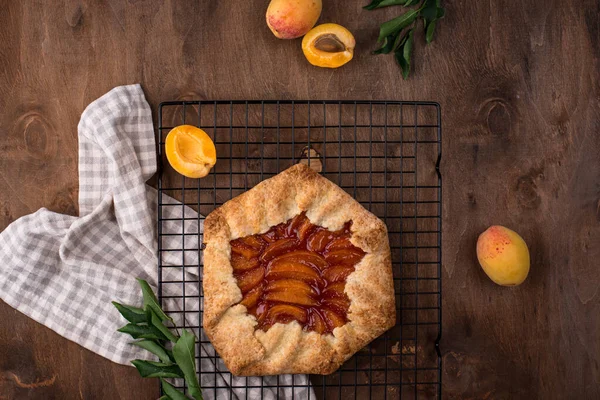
column 431, row 11
column 384, row 3
column 408, row 46
column 395, row 25
column 429, row 31
column 165, row 397
column 155, row 348
column 387, row 46
column 151, row 369
column 170, row 354
column 173, row 393
column 185, row 355
column 409, row 3
column 403, row 54
column 400, row 40
column 142, row 332
column 131, row 314
column 441, row 12
column 157, row 323
column 151, row 301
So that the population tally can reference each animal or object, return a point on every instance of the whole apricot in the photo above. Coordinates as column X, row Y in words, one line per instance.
column 503, row 255
column 291, row 19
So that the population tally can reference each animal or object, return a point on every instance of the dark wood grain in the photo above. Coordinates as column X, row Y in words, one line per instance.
column 519, row 87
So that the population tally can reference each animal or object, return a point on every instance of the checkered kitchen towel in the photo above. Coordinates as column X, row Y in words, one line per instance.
column 64, row 271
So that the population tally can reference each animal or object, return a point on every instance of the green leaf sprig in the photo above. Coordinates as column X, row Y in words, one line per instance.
column 396, row 35
column 148, row 324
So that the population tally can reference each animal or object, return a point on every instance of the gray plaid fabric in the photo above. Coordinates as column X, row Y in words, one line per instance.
column 64, row 271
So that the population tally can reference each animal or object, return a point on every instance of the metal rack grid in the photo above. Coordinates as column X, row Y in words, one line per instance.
column 386, row 155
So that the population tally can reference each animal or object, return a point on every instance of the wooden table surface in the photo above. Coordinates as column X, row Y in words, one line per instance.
column 519, row 87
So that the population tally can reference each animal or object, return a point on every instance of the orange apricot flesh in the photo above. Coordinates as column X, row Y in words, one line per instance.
column 190, row 151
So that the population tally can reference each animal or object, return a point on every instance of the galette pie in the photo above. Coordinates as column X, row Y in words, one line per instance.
column 297, row 277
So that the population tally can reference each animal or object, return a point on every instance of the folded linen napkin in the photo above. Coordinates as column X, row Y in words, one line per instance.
column 64, row 271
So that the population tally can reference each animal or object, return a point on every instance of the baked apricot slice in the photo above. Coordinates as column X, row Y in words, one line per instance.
column 319, row 240
column 250, row 279
column 335, row 290
column 295, row 223
column 291, row 285
column 328, row 46
column 339, row 304
column 303, row 257
column 349, row 256
column 339, row 244
column 251, row 298
column 278, row 248
column 261, row 311
column 276, row 233
column 190, row 151
column 292, row 296
column 243, row 250
column 285, row 313
column 338, row 273
column 297, row 271
column 316, row 322
column 241, row 263
column 304, row 229
column 253, row 241
column 332, row 319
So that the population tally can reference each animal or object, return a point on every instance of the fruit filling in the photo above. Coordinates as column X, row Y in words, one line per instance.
column 296, row 271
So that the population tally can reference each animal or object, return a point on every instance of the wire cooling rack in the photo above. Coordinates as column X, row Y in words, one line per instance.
column 386, row 155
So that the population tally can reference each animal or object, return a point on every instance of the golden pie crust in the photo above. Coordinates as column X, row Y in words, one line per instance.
column 288, row 348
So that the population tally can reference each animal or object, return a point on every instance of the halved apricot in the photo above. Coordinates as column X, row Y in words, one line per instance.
column 328, row 45
column 190, row 151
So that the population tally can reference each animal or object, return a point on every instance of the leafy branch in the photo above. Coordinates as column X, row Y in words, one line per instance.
column 148, row 324
column 396, row 35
